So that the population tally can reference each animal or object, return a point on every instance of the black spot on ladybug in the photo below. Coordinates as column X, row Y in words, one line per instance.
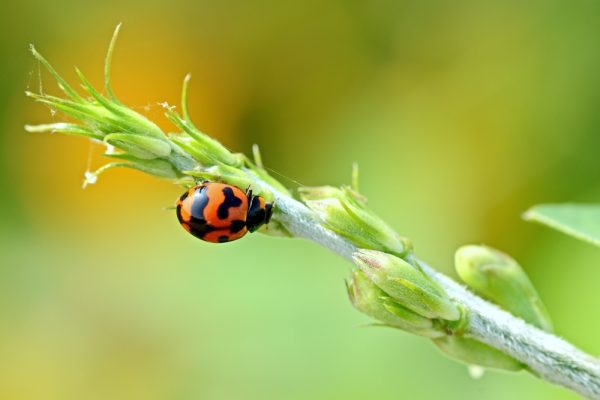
column 229, row 202
column 185, row 195
column 237, row 226
column 223, row 239
column 200, row 229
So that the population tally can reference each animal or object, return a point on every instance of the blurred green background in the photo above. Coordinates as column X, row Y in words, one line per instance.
column 461, row 115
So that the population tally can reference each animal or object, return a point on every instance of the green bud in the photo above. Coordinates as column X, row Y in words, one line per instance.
column 344, row 211
column 497, row 277
column 368, row 298
column 406, row 284
column 143, row 147
column 472, row 351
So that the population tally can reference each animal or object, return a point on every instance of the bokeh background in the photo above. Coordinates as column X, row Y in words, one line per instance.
column 461, row 115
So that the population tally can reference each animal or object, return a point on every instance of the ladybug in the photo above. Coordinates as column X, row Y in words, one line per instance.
column 219, row 213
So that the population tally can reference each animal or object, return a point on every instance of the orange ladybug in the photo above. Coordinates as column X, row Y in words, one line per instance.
column 219, row 213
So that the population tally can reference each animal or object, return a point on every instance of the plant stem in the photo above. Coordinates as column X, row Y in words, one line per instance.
column 548, row 356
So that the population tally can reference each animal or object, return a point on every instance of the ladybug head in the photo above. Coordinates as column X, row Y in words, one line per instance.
column 259, row 213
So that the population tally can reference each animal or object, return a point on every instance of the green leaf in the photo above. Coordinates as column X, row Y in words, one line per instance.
column 582, row 221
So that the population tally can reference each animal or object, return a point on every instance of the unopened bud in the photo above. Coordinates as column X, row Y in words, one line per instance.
column 344, row 212
column 368, row 298
column 406, row 284
column 497, row 277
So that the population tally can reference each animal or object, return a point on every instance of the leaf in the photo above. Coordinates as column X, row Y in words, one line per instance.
column 582, row 221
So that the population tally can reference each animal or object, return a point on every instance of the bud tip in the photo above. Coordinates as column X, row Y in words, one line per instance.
column 367, row 259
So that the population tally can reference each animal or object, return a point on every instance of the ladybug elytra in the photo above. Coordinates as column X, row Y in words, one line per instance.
column 219, row 213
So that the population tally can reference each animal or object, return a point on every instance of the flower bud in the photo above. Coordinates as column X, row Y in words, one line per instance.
column 344, row 212
column 369, row 299
column 497, row 277
column 406, row 284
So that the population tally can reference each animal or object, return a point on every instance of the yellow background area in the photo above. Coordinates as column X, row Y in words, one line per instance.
column 461, row 115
